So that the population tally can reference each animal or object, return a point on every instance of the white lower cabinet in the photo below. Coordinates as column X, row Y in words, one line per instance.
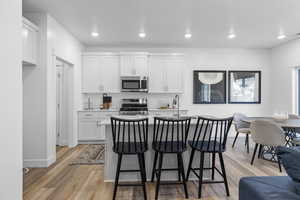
column 91, row 130
column 91, row 127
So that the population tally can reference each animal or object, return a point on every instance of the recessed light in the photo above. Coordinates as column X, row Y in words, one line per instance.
column 280, row 37
column 95, row 34
column 231, row 36
column 142, row 35
column 188, row 35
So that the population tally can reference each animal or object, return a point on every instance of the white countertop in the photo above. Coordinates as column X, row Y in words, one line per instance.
column 117, row 110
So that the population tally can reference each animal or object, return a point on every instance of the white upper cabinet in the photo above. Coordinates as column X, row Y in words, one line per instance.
column 134, row 64
column 165, row 73
column 29, row 42
column 100, row 73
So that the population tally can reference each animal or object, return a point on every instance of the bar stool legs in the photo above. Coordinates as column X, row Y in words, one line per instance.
column 143, row 173
column 154, row 165
column 117, row 175
column 142, row 170
column 158, row 174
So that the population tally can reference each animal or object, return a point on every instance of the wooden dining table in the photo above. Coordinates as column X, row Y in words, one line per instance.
column 291, row 128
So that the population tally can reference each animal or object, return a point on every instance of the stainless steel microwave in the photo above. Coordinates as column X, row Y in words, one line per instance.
column 134, row 84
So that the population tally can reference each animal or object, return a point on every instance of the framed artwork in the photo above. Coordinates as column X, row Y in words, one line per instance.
column 209, row 87
column 244, row 87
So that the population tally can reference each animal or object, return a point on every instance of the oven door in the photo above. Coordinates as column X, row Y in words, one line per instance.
column 130, row 85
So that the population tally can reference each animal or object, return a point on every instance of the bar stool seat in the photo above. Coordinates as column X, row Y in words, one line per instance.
column 129, row 148
column 207, row 146
column 169, row 147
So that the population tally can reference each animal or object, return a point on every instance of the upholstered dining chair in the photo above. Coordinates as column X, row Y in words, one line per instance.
column 241, row 127
column 296, row 139
column 266, row 133
column 294, row 116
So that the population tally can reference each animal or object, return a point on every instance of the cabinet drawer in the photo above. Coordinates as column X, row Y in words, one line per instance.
column 88, row 115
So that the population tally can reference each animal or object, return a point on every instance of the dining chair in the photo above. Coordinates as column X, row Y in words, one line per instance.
column 294, row 132
column 241, row 127
column 294, row 116
column 266, row 133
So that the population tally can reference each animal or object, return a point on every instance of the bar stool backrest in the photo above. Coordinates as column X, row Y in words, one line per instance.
column 125, row 131
column 171, row 132
column 211, row 133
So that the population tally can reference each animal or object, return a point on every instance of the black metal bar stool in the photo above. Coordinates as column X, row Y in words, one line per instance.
column 130, row 136
column 210, row 137
column 170, row 136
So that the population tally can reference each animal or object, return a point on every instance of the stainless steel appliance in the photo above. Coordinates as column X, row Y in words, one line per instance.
column 134, row 106
column 134, row 84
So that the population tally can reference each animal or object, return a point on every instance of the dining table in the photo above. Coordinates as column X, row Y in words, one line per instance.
column 291, row 129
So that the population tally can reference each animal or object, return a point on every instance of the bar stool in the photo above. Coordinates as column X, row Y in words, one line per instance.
column 210, row 137
column 130, row 136
column 169, row 137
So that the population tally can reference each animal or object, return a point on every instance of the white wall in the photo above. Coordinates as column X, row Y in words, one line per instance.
column 214, row 59
column 284, row 60
column 40, row 92
column 10, row 100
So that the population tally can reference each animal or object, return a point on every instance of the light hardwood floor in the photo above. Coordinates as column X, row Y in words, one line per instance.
column 62, row 181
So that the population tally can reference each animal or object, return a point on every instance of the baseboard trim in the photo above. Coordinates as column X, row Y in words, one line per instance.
column 39, row 163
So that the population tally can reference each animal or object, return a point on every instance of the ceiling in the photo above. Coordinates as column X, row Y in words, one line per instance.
column 256, row 23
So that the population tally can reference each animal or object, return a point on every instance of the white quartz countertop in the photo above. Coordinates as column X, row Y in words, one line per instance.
column 117, row 110
column 150, row 117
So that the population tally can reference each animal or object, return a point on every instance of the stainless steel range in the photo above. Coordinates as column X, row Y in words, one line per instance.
column 134, row 106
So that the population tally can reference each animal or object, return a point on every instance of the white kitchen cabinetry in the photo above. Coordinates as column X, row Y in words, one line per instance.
column 100, row 73
column 134, row 64
column 165, row 73
column 29, row 42
column 91, row 127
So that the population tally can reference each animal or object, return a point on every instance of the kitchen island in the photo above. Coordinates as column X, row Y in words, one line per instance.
column 131, row 161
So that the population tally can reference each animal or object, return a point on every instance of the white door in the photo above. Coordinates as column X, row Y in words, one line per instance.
column 59, row 103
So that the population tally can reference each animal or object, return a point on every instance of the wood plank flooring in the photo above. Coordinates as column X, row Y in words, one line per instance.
column 62, row 181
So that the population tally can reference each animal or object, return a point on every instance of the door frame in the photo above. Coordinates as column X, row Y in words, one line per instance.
column 68, row 73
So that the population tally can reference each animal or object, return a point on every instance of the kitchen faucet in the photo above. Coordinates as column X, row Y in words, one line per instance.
column 177, row 102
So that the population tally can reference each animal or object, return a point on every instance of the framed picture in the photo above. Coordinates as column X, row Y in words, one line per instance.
column 244, row 87
column 209, row 87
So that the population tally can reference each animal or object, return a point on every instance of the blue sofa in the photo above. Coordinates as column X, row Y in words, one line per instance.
column 268, row 188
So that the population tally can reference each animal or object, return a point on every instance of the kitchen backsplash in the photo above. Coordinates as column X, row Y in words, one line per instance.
column 154, row 100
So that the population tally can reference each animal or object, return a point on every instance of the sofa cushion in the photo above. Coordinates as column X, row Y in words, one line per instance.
column 267, row 187
column 290, row 158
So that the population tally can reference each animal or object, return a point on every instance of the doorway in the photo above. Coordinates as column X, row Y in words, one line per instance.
column 64, row 99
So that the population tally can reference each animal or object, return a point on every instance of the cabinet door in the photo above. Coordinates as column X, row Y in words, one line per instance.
column 157, row 75
column 91, row 71
column 127, row 67
column 141, row 65
column 87, row 130
column 110, row 73
column 91, row 130
column 174, row 74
